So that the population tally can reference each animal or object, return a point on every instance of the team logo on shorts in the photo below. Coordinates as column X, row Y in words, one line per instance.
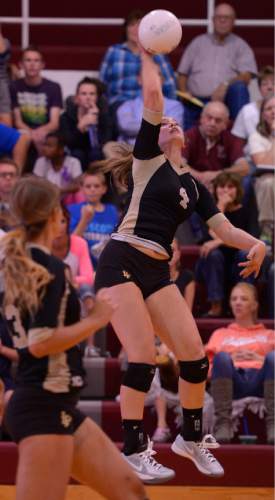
column 185, row 199
column 65, row 418
column 126, row 274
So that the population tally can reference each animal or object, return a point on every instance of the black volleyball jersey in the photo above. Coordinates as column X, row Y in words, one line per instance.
column 162, row 195
column 58, row 373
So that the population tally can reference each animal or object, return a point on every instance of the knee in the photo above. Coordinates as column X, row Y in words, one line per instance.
column 139, row 376
column 222, row 359
column 215, row 257
column 194, row 372
column 270, row 358
column 137, row 489
column 268, row 183
column 132, row 488
column 238, row 87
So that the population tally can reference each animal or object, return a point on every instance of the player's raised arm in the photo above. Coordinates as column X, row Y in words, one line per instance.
column 151, row 83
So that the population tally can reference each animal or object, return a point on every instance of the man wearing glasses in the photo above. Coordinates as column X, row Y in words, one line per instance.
column 9, row 174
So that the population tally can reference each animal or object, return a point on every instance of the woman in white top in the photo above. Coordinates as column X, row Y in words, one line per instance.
column 261, row 145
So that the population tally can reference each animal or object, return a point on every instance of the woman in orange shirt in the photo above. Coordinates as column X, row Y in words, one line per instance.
column 241, row 362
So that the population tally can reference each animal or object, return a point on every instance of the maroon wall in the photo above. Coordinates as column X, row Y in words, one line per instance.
column 82, row 47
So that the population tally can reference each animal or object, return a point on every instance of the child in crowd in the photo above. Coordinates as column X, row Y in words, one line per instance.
column 92, row 219
column 59, row 168
column 73, row 250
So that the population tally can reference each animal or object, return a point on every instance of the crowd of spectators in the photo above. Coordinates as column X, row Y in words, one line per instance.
column 230, row 147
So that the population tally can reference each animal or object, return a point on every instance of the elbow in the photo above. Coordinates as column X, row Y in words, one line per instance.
column 37, row 350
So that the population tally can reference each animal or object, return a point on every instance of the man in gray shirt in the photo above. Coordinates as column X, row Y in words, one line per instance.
column 217, row 66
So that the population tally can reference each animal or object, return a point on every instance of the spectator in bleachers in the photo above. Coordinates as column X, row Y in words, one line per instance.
column 121, row 66
column 9, row 175
column 249, row 115
column 241, row 362
column 261, row 145
column 5, row 101
column 59, row 168
column 210, row 147
column 36, row 101
column 86, row 124
column 74, row 252
column 14, row 144
column 129, row 116
column 92, row 219
column 217, row 66
column 217, row 266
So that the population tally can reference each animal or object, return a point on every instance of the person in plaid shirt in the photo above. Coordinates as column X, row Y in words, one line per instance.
column 121, row 66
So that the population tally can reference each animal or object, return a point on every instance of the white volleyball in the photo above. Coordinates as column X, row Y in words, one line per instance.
column 159, row 31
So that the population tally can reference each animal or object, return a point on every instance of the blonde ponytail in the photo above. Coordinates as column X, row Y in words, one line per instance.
column 33, row 201
column 24, row 280
column 120, row 165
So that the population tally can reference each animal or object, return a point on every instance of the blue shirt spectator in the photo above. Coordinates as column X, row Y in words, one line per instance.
column 8, row 139
column 120, row 70
column 129, row 116
column 98, row 230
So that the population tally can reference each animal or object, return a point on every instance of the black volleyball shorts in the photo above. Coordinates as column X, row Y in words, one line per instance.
column 32, row 411
column 121, row 263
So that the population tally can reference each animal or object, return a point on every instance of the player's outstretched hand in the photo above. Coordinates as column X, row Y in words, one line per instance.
column 254, row 260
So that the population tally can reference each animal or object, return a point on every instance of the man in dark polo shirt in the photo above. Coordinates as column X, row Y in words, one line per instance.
column 210, row 147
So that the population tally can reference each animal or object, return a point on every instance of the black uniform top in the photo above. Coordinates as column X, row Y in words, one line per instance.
column 162, row 195
column 6, row 340
column 58, row 373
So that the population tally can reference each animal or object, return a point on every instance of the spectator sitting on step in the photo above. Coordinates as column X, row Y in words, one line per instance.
column 217, row 66
column 249, row 115
column 92, row 219
column 241, row 359
column 74, row 251
column 261, row 145
column 217, row 266
column 121, row 66
column 86, row 124
column 36, row 101
column 60, row 168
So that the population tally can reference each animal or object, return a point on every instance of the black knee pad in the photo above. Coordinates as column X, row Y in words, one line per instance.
column 139, row 376
column 194, row 371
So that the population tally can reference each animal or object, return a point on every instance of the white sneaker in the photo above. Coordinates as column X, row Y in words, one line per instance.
column 147, row 468
column 199, row 454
